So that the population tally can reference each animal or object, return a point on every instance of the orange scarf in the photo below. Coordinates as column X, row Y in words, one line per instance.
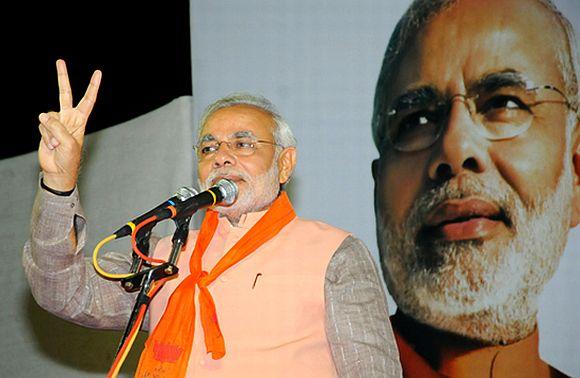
column 167, row 349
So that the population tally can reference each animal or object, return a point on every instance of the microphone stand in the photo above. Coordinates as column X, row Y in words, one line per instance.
column 143, row 279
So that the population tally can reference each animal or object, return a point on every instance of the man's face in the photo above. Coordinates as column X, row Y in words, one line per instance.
column 259, row 175
column 470, row 229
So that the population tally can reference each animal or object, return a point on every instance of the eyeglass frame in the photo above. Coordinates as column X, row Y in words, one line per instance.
column 448, row 105
column 197, row 147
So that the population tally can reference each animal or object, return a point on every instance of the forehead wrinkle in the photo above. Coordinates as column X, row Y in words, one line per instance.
column 500, row 30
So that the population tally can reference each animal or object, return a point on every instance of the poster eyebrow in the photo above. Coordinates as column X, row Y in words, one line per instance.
column 501, row 79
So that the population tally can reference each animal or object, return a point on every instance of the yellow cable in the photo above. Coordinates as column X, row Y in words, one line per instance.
column 96, row 262
column 129, row 344
column 214, row 197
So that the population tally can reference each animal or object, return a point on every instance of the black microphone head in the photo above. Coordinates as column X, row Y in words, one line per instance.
column 229, row 191
column 185, row 192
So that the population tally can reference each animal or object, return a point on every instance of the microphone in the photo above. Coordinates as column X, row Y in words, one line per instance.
column 224, row 192
column 182, row 194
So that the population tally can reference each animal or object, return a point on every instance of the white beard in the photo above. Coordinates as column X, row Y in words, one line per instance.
column 257, row 195
column 484, row 290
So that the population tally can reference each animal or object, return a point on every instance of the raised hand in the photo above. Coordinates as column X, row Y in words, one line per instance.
column 63, row 132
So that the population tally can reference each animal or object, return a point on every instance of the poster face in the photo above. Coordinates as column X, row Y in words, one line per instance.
column 474, row 184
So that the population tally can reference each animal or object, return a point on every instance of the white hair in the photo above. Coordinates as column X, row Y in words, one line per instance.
column 283, row 135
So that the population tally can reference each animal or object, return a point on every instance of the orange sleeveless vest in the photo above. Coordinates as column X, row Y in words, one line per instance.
column 270, row 305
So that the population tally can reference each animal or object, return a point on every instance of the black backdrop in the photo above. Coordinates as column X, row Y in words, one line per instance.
column 142, row 47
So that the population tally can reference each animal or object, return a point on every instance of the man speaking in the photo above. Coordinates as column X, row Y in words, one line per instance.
column 260, row 292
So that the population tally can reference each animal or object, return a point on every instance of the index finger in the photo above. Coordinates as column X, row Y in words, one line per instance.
column 64, row 90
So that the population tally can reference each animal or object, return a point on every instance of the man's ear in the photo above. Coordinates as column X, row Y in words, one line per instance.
column 576, row 173
column 286, row 164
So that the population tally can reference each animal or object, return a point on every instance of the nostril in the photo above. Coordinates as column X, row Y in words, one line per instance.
column 443, row 172
column 471, row 164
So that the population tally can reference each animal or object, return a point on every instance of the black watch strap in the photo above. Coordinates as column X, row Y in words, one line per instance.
column 54, row 191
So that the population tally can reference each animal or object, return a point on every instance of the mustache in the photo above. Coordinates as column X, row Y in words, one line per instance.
column 226, row 173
